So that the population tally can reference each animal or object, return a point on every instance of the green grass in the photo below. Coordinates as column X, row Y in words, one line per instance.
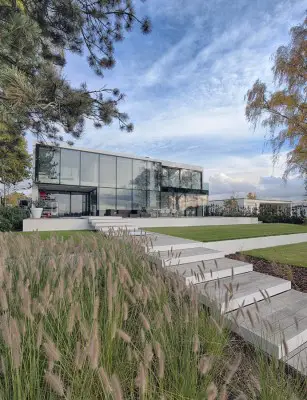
column 59, row 234
column 291, row 254
column 230, row 232
column 99, row 321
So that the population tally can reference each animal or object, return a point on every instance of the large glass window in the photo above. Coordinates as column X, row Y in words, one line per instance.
column 63, row 203
column 89, row 169
column 154, row 175
column 165, row 200
column 70, row 167
column 186, row 179
column 124, row 198
column 196, row 180
column 139, row 175
column 139, row 199
column 173, row 175
column 153, row 199
column 124, row 172
column 107, row 171
column 48, row 165
column 107, row 200
column 165, row 180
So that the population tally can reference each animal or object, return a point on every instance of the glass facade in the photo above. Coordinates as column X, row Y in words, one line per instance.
column 85, row 182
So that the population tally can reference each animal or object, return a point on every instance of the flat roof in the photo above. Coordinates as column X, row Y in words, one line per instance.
column 127, row 155
column 246, row 198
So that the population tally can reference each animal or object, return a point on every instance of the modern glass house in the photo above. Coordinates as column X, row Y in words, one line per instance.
column 80, row 182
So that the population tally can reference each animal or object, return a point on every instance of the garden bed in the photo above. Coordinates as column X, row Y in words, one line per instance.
column 297, row 275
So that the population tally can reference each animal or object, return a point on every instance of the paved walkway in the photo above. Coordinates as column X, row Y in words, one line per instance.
column 263, row 309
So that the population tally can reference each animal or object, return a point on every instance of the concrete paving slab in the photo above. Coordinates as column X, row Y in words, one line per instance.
column 183, row 256
column 297, row 359
column 228, row 294
column 205, row 271
column 277, row 327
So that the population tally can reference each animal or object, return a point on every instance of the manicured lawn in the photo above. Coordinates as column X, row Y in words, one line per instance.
column 229, row 232
column 292, row 254
column 59, row 234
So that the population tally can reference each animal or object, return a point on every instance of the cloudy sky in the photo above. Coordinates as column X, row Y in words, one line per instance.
column 185, row 86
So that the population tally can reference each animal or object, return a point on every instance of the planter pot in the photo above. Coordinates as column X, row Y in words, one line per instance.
column 36, row 212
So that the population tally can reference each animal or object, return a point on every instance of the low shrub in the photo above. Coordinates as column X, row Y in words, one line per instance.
column 94, row 319
column 11, row 218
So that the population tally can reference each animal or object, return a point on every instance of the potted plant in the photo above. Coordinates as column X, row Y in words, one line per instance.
column 37, row 208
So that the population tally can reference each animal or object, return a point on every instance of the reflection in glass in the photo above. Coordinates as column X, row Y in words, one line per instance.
column 89, row 169
column 107, row 171
column 165, row 200
column 186, row 179
column 124, row 172
column 154, row 175
column 196, row 180
column 107, row 200
column 79, row 204
column 63, row 200
column 173, row 176
column 165, row 180
column 139, row 175
column 70, row 167
column 153, row 199
column 139, row 199
column 124, row 199
column 48, row 165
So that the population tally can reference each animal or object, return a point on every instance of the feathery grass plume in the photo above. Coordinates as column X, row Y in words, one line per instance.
column 96, row 308
column 196, row 344
column 125, row 308
column 205, row 364
column 140, row 380
column 129, row 354
column 116, row 387
column 223, row 393
column 142, row 335
column 51, row 350
column 145, row 322
column 123, row 335
column 94, row 348
column 3, row 300
column 39, row 334
column 71, row 318
column 211, row 391
column 158, row 320
column 233, row 368
column 161, row 364
column 167, row 313
column 105, row 379
column 186, row 314
column 15, row 338
column 79, row 357
column 148, row 354
column 242, row 397
column 55, row 383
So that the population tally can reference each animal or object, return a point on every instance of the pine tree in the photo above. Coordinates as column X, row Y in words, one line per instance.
column 35, row 36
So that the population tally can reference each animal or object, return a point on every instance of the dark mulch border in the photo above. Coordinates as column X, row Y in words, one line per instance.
column 297, row 275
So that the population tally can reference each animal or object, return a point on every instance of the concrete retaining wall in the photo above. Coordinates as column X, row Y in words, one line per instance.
column 193, row 221
column 232, row 246
column 55, row 224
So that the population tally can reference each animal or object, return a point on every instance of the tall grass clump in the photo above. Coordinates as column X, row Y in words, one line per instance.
column 93, row 319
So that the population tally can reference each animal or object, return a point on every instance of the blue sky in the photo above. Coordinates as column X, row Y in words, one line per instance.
column 185, row 86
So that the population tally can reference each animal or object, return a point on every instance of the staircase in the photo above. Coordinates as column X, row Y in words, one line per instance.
column 108, row 224
column 262, row 309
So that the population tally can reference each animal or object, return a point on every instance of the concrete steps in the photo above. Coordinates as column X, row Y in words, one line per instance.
column 263, row 309
column 278, row 326
column 107, row 224
column 209, row 270
column 184, row 256
column 228, row 294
